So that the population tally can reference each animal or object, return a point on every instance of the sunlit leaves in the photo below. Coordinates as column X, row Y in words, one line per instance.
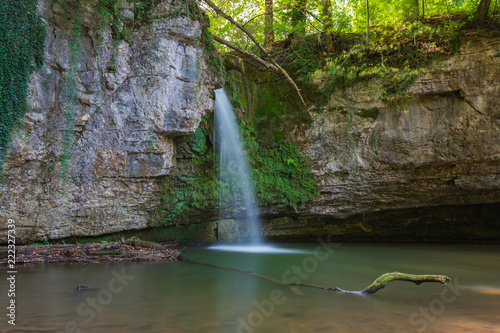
column 348, row 16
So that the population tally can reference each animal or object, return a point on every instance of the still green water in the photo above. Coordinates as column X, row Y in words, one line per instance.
column 185, row 297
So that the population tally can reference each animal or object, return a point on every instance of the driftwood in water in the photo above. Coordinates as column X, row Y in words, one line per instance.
column 382, row 281
column 376, row 285
column 136, row 241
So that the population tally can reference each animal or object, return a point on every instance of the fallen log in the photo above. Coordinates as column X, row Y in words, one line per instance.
column 92, row 253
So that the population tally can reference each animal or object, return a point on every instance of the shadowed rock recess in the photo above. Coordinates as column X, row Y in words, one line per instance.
column 424, row 169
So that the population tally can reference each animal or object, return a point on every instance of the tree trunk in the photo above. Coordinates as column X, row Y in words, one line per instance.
column 327, row 25
column 412, row 10
column 268, row 25
column 376, row 285
column 382, row 280
column 367, row 22
column 482, row 12
column 299, row 17
column 423, row 10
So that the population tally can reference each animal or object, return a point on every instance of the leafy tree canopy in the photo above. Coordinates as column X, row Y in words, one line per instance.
column 348, row 16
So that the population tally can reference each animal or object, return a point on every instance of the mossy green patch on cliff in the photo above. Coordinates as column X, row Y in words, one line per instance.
column 281, row 173
column 192, row 186
column 268, row 104
column 22, row 36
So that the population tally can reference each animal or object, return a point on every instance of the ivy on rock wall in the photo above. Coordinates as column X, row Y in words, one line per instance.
column 22, row 36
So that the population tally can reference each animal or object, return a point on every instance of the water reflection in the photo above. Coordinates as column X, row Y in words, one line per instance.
column 185, row 297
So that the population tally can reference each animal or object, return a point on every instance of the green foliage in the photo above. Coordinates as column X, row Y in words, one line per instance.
column 281, row 173
column 303, row 57
column 393, row 14
column 22, row 37
column 395, row 54
column 70, row 87
column 347, row 16
column 196, row 189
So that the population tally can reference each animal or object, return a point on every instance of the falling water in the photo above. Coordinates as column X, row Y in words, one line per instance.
column 237, row 194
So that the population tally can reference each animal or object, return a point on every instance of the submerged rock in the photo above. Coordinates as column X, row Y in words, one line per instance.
column 82, row 287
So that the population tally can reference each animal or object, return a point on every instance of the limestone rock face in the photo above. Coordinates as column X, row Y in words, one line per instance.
column 133, row 97
column 439, row 148
column 421, row 169
column 426, row 167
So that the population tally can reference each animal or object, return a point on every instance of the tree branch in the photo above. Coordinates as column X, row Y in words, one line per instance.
column 382, row 281
column 248, row 54
column 292, row 288
column 242, row 28
column 376, row 285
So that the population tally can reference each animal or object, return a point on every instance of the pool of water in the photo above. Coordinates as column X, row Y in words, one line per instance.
column 186, row 297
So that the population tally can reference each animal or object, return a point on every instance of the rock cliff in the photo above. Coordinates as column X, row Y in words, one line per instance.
column 440, row 147
column 424, row 168
column 91, row 167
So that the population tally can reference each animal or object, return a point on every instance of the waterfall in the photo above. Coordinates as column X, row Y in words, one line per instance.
column 237, row 194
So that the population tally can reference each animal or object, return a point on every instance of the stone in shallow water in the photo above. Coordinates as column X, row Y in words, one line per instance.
column 82, row 287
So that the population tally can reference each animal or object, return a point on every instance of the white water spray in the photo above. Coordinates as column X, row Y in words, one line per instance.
column 237, row 194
